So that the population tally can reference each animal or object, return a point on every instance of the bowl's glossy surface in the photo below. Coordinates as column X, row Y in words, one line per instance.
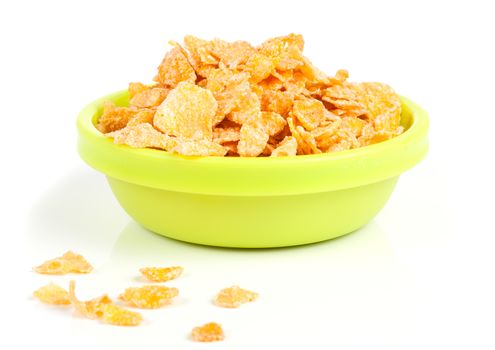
column 253, row 202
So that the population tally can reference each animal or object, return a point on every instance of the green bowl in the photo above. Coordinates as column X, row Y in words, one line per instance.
column 252, row 202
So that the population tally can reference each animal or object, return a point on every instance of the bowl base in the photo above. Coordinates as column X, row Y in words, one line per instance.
column 252, row 222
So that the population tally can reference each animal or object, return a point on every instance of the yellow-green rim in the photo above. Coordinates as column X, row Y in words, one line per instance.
column 256, row 176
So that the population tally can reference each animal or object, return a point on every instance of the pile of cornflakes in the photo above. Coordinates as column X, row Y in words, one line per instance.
column 219, row 98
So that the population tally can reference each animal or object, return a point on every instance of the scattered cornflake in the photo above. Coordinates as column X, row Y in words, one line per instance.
column 70, row 262
column 118, row 316
column 161, row 274
column 53, row 294
column 208, row 332
column 149, row 297
column 234, row 296
column 101, row 308
column 92, row 309
column 267, row 93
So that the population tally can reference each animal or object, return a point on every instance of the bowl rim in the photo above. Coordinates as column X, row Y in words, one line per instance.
column 250, row 175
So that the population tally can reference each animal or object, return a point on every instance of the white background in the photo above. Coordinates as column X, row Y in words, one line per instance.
column 419, row 276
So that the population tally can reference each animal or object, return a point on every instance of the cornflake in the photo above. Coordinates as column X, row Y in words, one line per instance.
column 161, row 274
column 223, row 135
column 234, row 296
column 383, row 105
column 234, row 54
column 208, row 332
column 142, row 135
column 53, row 294
column 118, row 316
column 114, row 118
column 309, row 112
column 92, row 309
column 199, row 56
column 246, row 107
column 149, row 297
column 220, row 98
column 149, row 98
column 104, row 309
column 253, row 140
column 175, row 68
column 70, row 262
column 231, row 148
column 276, row 101
column 135, row 88
column 273, row 123
column 286, row 51
column 188, row 112
column 305, row 140
column 145, row 115
column 197, row 148
column 288, row 147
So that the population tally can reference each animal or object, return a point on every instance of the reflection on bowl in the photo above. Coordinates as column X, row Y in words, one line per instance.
column 253, row 202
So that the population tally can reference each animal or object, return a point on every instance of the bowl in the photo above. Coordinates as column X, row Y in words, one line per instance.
column 257, row 202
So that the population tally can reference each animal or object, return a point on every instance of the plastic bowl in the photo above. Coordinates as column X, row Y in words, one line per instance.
column 252, row 202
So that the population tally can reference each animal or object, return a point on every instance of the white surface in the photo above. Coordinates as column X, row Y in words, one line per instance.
column 420, row 276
